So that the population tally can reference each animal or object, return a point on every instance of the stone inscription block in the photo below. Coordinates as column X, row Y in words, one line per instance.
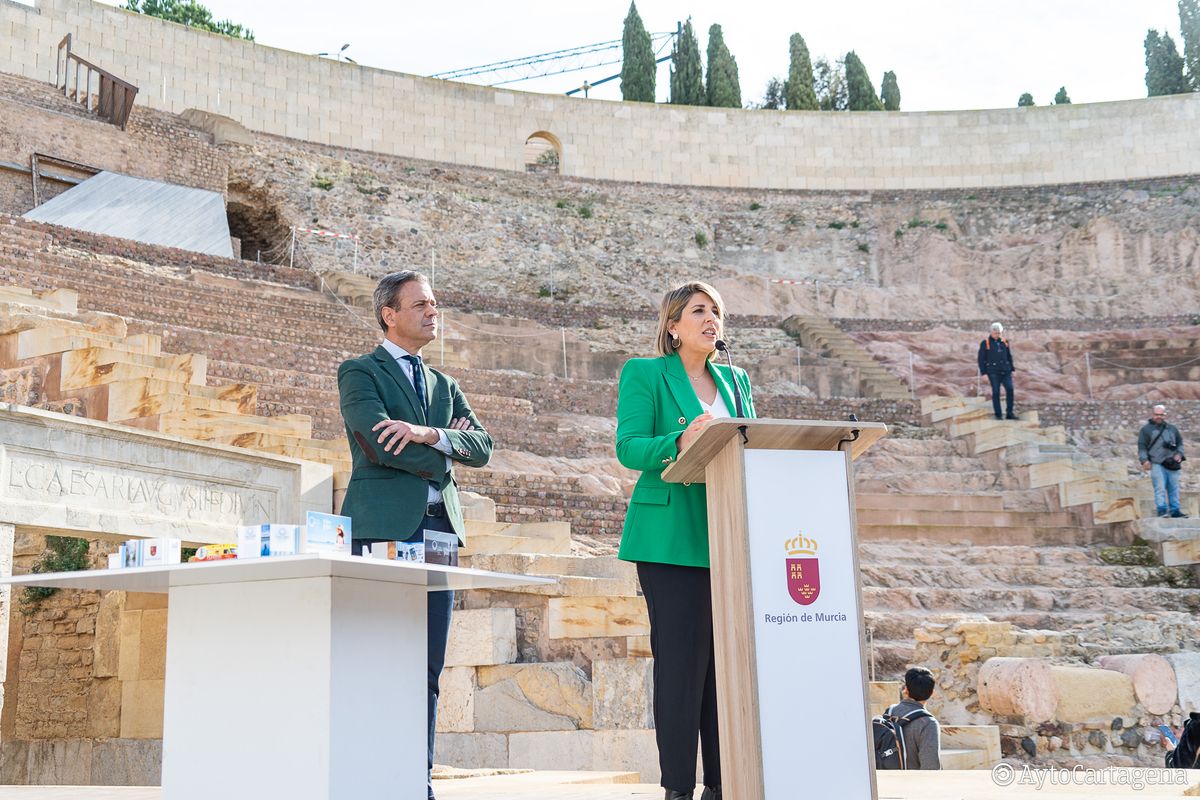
column 61, row 473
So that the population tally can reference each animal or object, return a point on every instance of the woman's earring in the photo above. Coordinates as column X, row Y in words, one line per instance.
column 675, row 342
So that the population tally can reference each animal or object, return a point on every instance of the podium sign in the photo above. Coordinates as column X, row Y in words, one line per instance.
column 787, row 608
column 806, row 625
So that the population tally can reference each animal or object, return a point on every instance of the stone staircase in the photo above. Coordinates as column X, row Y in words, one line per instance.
column 818, row 333
column 117, row 377
column 948, row 533
column 1066, row 588
column 1177, row 541
column 1041, row 457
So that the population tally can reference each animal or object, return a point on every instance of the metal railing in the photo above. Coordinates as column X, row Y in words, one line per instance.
column 113, row 100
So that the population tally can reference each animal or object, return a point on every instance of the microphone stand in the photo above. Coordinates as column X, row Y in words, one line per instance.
column 739, row 407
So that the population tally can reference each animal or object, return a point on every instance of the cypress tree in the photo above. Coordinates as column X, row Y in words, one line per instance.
column 722, row 88
column 1061, row 98
column 798, row 89
column 1164, row 66
column 687, row 79
column 1189, row 26
column 637, row 64
column 890, row 92
column 1025, row 100
column 860, row 92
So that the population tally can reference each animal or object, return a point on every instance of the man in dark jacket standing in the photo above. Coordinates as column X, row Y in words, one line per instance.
column 1160, row 449
column 408, row 426
column 995, row 361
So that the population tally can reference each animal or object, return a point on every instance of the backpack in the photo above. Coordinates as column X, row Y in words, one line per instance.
column 888, row 732
column 1187, row 754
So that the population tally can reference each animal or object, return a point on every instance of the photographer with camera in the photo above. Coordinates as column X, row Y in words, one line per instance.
column 1160, row 449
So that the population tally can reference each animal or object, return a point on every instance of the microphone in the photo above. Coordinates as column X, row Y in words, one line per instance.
column 737, row 392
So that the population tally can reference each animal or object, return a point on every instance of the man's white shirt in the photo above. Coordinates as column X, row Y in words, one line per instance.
column 443, row 444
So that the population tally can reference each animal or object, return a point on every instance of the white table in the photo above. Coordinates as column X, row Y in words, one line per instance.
column 301, row 677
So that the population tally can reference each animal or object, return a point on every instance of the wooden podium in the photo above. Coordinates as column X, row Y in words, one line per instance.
column 787, row 605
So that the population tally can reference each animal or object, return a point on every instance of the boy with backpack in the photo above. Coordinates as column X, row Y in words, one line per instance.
column 906, row 735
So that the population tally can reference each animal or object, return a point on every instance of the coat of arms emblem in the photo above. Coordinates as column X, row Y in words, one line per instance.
column 803, row 576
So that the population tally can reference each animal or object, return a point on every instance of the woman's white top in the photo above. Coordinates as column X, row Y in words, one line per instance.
column 718, row 408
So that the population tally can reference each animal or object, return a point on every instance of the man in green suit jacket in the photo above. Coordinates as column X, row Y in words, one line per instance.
column 407, row 425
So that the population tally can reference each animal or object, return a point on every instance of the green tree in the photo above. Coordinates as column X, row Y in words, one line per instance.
column 798, row 89
column 1025, row 100
column 860, row 92
column 829, row 83
column 687, row 79
column 773, row 95
column 889, row 92
column 1061, row 98
column 1164, row 66
column 1189, row 26
column 190, row 13
column 722, row 85
column 637, row 64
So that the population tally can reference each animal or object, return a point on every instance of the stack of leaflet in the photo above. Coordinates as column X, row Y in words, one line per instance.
column 146, row 553
column 435, row 547
column 322, row 533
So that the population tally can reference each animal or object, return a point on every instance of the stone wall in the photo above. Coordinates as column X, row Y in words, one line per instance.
column 83, row 697
column 1055, row 699
column 1107, row 415
column 577, row 252
column 891, row 412
column 155, row 145
column 982, row 326
column 321, row 100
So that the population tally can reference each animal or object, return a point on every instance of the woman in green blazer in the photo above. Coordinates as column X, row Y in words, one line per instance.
column 662, row 406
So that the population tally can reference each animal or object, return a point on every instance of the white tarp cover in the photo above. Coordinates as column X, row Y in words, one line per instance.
column 146, row 211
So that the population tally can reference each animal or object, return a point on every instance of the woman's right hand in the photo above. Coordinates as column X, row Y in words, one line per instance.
column 692, row 431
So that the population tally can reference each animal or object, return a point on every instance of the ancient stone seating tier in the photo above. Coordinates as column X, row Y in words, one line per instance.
column 952, row 519
column 112, row 376
column 1151, row 359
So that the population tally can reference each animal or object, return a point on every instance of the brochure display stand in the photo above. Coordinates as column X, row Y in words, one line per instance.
column 787, row 606
column 295, row 676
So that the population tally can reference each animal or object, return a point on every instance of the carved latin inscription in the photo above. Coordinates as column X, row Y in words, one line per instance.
column 127, row 489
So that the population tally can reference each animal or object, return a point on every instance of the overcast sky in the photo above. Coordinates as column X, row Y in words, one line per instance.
column 947, row 54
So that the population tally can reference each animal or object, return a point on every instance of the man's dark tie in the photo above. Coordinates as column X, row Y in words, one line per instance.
column 418, row 377
column 419, row 386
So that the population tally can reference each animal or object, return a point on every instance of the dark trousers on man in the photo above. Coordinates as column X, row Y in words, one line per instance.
column 438, row 607
column 997, row 380
column 679, row 602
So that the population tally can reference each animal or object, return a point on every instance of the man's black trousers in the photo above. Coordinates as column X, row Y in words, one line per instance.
column 997, row 380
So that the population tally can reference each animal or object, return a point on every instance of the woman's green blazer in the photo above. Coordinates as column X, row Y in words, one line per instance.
column 666, row 523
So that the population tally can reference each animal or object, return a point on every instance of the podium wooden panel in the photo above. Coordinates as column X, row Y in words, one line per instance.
column 719, row 458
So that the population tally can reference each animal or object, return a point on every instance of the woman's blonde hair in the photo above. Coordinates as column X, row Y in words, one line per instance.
column 673, row 304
